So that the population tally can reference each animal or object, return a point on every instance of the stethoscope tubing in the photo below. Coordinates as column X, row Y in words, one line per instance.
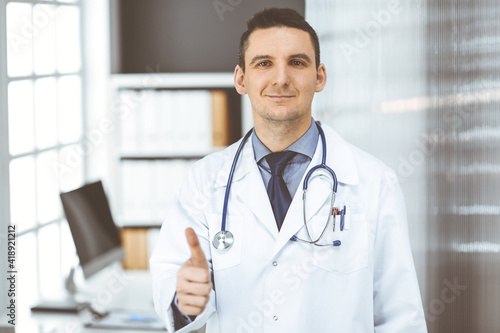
column 322, row 165
column 226, row 234
column 230, row 179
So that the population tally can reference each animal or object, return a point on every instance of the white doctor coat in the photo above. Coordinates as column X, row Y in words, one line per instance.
column 267, row 283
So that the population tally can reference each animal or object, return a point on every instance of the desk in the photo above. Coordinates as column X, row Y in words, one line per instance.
column 117, row 290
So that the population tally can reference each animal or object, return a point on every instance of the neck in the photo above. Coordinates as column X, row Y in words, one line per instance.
column 278, row 135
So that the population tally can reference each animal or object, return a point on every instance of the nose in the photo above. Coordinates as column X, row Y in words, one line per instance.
column 281, row 76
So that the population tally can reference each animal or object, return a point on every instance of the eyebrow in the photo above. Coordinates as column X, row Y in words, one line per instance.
column 302, row 56
column 260, row 57
column 265, row 56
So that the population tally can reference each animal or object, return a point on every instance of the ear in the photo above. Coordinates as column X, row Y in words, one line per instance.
column 239, row 82
column 320, row 77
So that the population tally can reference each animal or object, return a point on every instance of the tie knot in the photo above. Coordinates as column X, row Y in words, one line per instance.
column 278, row 161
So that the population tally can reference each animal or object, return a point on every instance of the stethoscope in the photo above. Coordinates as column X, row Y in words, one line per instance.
column 224, row 238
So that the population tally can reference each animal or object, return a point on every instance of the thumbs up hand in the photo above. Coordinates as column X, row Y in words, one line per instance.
column 193, row 279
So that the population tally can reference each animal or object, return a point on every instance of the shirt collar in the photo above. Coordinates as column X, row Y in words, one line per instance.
column 305, row 145
column 346, row 168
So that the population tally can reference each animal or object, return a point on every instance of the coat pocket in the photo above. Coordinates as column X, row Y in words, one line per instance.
column 230, row 257
column 352, row 254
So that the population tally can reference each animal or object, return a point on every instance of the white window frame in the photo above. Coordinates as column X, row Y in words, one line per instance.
column 5, row 156
column 4, row 161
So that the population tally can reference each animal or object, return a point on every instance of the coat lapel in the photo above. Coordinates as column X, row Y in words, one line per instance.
column 340, row 159
column 294, row 219
column 254, row 196
column 252, row 192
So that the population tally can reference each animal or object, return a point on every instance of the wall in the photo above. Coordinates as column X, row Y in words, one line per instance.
column 374, row 53
column 463, row 85
column 182, row 36
column 420, row 89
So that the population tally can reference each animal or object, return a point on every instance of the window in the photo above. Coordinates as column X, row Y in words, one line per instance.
column 42, row 130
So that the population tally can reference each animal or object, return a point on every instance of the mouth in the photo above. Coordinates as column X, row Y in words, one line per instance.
column 280, row 97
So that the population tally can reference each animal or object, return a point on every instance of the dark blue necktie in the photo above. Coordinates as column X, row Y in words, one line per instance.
column 276, row 189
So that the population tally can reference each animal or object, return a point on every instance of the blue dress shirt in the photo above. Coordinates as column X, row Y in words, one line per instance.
column 305, row 147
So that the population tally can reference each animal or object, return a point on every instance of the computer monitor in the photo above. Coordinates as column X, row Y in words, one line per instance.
column 98, row 244
column 96, row 237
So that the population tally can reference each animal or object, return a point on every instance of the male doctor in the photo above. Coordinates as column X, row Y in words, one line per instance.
column 266, row 282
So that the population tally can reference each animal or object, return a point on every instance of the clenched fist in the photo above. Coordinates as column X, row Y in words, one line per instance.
column 193, row 279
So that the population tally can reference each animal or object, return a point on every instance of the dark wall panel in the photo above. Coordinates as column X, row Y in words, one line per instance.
column 181, row 36
column 464, row 178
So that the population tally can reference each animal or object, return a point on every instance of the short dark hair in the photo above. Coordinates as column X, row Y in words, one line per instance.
column 276, row 17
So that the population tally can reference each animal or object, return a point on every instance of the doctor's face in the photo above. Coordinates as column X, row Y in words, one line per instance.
column 280, row 74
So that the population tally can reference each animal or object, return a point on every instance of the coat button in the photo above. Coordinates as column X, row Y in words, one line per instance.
column 275, row 318
column 275, row 263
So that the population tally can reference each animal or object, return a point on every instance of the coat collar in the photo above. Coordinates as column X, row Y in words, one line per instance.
column 243, row 165
column 339, row 158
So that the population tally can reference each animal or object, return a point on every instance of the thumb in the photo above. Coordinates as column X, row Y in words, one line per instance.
column 197, row 256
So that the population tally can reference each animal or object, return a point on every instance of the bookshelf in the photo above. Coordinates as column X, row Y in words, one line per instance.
column 164, row 123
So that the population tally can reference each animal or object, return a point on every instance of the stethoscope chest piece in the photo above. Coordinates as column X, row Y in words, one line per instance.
column 223, row 240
